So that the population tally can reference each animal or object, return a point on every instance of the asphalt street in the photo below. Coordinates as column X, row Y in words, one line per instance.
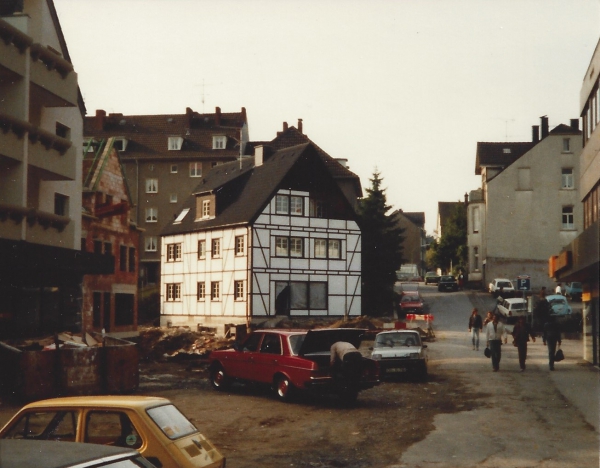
column 536, row 418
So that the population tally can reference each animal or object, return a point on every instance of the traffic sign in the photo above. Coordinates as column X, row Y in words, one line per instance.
column 523, row 283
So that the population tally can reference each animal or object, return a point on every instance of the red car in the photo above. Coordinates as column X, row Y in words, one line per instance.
column 411, row 302
column 293, row 360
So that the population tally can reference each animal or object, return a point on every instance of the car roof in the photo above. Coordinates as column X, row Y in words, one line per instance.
column 512, row 300
column 502, row 279
column 397, row 331
column 101, row 401
column 555, row 296
column 15, row 453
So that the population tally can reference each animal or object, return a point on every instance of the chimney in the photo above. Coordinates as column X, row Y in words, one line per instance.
column 217, row 116
column 259, row 155
column 99, row 120
column 535, row 133
column 285, row 126
column 575, row 124
column 244, row 115
column 544, row 126
column 466, row 198
column 300, row 125
column 188, row 114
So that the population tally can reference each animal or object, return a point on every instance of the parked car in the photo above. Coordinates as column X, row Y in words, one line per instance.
column 512, row 308
column 152, row 425
column 501, row 284
column 411, row 302
column 409, row 287
column 47, row 454
column 432, row 277
column 292, row 360
column 573, row 291
column 559, row 305
column 400, row 352
column 447, row 283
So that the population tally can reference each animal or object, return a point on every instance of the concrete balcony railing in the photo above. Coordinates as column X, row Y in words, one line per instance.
column 13, row 36
column 51, row 60
column 33, row 216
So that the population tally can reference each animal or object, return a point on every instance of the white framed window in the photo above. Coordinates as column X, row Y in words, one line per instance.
column 476, row 220
column 173, row 252
column 239, row 290
column 216, row 248
column 301, row 295
column 566, row 145
column 151, row 243
column 151, row 215
column 174, row 168
column 568, row 221
column 289, row 247
column 296, row 247
column 175, row 143
column 281, row 247
column 320, row 248
column 282, row 204
column 568, row 181
column 215, row 291
column 239, row 245
column 120, row 144
column 316, row 208
column 201, row 291
column 173, row 198
column 219, row 141
column 196, row 169
column 151, row 185
column 297, row 206
column 206, row 208
column 201, row 249
column 334, row 248
column 173, row 292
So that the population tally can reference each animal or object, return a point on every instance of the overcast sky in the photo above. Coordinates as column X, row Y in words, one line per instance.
column 405, row 87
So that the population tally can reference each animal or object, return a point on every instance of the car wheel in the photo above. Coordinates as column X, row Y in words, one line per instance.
column 218, row 378
column 284, row 388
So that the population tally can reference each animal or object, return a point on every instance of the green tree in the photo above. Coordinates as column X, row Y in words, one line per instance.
column 381, row 250
column 450, row 253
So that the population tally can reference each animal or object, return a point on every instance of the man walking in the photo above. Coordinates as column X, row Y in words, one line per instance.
column 521, row 333
column 495, row 333
column 551, row 337
column 475, row 326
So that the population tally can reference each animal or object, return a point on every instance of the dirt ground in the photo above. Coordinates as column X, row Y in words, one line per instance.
column 252, row 428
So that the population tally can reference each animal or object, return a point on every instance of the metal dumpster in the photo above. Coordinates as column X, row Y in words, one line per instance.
column 110, row 368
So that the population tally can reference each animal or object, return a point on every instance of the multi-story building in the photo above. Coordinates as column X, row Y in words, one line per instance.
column 272, row 236
column 527, row 207
column 414, row 244
column 110, row 301
column 165, row 156
column 41, row 115
column 579, row 260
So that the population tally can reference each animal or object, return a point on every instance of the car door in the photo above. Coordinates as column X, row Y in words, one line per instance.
column 268, row 360
column 243, row 363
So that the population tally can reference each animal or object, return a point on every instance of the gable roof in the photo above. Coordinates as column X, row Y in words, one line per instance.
column 445, row 211
column 499, row 154
column 148, row 135
column 245, row 189
column 417, row 218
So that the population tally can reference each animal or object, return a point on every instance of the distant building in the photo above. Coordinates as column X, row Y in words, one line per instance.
column 274, row 236
column 526, row 208
column 579, row 259
column 110, row 301
column 165, row 157
column 41, row 115
column 414, row 245
column 445, row 212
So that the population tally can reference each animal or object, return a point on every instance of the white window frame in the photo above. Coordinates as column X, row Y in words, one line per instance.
column 174, row 169
column 567, row 218
column 151, row 243
column 152, row 215
column 173, row 198
column 219, row 142
column 567, row 178
column 282, row 204
column 201, row 249
column 151, row 185
column 215, row 248
column 239, row 245
column 173, row 292
column 239, row 290
column 296, row 205
column 320, row 248
column 331, row 248
column 174, row 252
column 205, row 208
column 201, row 291
column 175, row 143
column 195, row 169
column 215, row 291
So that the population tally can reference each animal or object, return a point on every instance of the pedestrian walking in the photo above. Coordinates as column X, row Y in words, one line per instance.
column 475, row 326
column 521, row 333
column 488, row 318
column 551, row 338
column 558, row 289
column 495, row 333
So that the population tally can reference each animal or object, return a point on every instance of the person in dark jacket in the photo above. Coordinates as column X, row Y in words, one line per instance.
column 475, row 326
column 551, row 337
column 521, row 333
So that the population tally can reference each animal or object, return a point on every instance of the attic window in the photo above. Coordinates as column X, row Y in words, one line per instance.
column 181, row 216
column 219, row 142
column 175, row 143
column 506, row 150
column 120, row 144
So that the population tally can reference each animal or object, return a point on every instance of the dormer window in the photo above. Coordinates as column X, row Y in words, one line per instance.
column 182, row 215
column 205, row 207
column 175, row 143
column 506, row 150
column 120, row 144
column 219, row 141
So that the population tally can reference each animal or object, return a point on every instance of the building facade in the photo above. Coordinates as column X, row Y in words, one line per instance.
column 110, row 301
column 41, row 115
column 164, row 157
column 274, row 237
column 579, row 260
column 415, row 243
column 527, row 207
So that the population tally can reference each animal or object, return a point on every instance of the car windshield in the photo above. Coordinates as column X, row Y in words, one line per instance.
column 557, row 300
column 410, row 299
column 576, row 285
column 391, row 340
column 504, row 284
column 296, row 342
column 447, row 278
column 171, row 422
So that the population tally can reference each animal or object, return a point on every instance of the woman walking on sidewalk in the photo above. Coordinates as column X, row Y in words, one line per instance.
column 475, row 326
column 521, row 333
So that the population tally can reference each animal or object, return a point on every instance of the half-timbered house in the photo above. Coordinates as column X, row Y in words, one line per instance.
column 271, row 235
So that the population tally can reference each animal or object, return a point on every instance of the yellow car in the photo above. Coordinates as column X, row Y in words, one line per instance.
column 151, row 425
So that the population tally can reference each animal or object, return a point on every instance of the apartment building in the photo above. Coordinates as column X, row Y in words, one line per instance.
column 41, row 116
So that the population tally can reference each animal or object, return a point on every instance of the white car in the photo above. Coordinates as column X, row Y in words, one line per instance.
column 512, row 308
column 501, row 284
column 400, row 352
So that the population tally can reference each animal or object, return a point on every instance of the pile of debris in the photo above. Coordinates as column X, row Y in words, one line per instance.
column 64, row 340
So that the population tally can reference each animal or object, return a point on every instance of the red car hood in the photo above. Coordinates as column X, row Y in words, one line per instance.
column 321, row 340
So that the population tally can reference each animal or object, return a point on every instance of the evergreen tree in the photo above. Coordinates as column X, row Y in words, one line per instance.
column 381, row 250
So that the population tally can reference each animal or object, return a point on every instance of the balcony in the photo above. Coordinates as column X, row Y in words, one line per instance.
column 13, row 131
column 16, row 213
column 52, row 74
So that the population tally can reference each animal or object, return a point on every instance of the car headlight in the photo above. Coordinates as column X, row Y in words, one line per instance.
column 376, row 356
